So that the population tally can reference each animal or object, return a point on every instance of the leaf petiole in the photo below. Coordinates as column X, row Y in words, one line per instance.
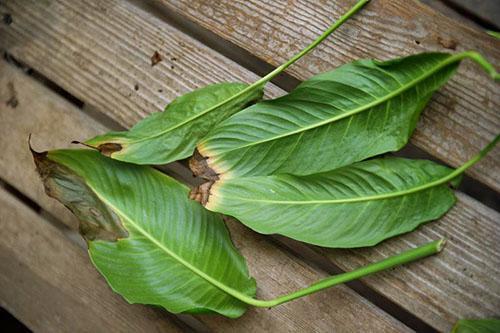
column 397, row 260
column 360, row 4
column 262, row 81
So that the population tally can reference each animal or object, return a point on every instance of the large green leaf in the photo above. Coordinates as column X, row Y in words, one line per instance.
column 172, row 135
column 353, row 206
column 151, row 243
column 155, row 246
column 477, row 326
column 357, row 205
column 356, row 111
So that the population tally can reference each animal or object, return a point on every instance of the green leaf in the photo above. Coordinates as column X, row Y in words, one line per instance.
column 173, row 134
column 353, row 206
column 354, row 112
column 477, row 326
column 358, row 205
column 150, row 242
column 155, row 246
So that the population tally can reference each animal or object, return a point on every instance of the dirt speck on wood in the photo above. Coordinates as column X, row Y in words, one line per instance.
column 449, row 44
column 7, row 19
column 12, row 101
column 156, row 58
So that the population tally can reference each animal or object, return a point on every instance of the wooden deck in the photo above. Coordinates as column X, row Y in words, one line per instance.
column 73, row 70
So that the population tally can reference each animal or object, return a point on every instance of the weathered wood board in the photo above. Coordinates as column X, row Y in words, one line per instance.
column 104, row 54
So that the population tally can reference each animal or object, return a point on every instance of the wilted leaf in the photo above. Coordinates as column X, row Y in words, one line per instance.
column 354, row 206
column 162, row 248
column 172, row 134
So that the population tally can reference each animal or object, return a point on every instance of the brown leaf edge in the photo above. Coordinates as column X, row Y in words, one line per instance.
column 96, row 220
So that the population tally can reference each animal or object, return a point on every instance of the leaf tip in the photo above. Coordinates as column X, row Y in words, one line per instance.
column 37, row 156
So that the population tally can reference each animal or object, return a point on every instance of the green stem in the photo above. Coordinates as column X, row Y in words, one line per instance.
column 315, row 43
column 397, row 260
column 481, row 61
column 458, row 171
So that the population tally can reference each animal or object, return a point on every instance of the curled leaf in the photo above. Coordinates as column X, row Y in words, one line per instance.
column 174, row 254
column 172, row 134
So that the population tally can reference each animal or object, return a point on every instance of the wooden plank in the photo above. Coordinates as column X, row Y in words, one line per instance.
column 40, row 54
column 48, row 130
column 441, row 7
column 49, row 284
column 459, row 120
column 276, row 271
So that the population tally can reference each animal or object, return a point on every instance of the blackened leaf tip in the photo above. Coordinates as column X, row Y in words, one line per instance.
column 76, row 142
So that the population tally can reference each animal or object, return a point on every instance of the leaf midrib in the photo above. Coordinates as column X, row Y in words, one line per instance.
column 228, row 290
column 190, row 119
column 363, row 108
column 383, row 196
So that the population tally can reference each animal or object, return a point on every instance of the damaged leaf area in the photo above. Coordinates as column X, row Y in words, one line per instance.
column 352, row 113
column 96, row 220
column 172, row 135
column 146, row 237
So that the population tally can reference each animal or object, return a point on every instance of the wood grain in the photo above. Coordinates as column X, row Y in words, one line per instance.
column 48, row 282
column 276, row 271
column 461, row 118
